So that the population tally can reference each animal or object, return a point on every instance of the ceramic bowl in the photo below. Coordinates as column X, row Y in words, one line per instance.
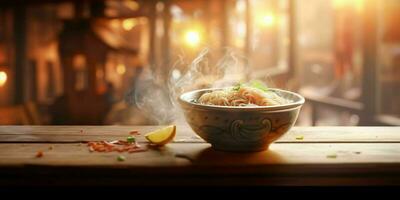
column 232, row 128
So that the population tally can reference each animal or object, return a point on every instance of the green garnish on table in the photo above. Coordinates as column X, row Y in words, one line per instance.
column 131, row 139
column 121, row 158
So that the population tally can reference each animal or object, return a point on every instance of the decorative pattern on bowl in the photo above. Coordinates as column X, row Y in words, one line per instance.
column 240, row 128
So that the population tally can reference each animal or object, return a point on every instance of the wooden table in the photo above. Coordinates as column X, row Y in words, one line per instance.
column 325, row 156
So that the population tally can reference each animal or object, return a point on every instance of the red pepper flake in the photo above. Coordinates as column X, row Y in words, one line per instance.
column 39, row 154
column 134, row 133
column 137, row 150
column 118, row 146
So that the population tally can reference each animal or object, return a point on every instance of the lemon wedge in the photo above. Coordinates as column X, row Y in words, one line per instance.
column 161, row 136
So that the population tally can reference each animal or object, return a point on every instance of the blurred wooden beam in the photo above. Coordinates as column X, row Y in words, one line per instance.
column 224, row 24
column 249, row 30
column 166, row 44
column 152, row 35
column 4, row 3
column 370, row 62
column 292, row 39
column 19, row 13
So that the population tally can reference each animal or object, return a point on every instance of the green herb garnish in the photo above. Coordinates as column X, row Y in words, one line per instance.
column 121, row 158
column 259, row 85
column 237, row 87
column 131, row 139
column 300, row 137
column 254, row 84
column 331, row 155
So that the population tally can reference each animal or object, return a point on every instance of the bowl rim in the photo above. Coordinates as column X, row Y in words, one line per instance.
column 294, row 104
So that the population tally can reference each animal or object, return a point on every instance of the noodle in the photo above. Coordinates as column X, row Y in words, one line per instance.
column 243, row 96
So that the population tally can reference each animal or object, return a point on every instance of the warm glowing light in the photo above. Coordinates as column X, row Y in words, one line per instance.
column 79, row 62
column 99, row 73
column 268, row 20
column 115, row 23
column 128, row 24
column 142, row 20
column 3, row 78
column 241, row 6
column 121, row 69
column 339, row 3
column 192, row 38
column 239, row 42
column 241, row 29
column 133, row 5
column 359, row 4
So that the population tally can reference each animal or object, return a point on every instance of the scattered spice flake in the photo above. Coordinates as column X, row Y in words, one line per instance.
column 357, row 152
column 39, row 154
column 134, row 132
column 121, row 158
column 137, row 150
column 299, row 137
column 50, row 147
column 81, row 131
column 331, row 156
column 117, row 145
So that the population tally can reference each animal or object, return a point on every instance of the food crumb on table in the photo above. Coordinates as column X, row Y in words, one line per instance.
column 39, row 154
column 134, row 132
column 331, row 156
column 299, row 137
column 121, row 158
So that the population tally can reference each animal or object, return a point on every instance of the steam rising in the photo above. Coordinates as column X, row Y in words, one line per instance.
column 157, row 99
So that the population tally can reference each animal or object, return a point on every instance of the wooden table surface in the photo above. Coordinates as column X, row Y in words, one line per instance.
column 325, row 156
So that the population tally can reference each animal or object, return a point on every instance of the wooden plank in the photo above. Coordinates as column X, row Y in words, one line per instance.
column 79, row 155
column 200, row 154
column 343, row 134
column 185, row 134
column 198, row 164
column 294, row 153
column 78, row 134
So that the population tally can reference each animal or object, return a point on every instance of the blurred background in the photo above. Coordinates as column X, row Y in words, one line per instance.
column 109, row 62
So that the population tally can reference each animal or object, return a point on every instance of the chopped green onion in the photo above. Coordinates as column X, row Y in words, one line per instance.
column 331, row 156
column 259, row 85
column 237, row 87
column 131, row 139
column 300, row 137
column 254, row 84
column 121, row 158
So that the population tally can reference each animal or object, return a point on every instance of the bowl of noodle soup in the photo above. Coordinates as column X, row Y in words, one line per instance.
column 240, row 118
